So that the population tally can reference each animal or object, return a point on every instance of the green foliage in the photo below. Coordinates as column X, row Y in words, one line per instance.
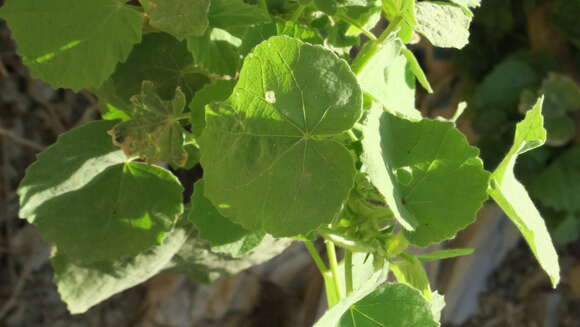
column 97, row 181
column 72, row 43
column 301, row 130
column 444, row 24
column 270, row 132
column 153, row 131
column 512, row 197
column 180, row 18
column 430, row 176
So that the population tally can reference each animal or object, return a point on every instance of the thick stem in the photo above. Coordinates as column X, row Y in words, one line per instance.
column 348, row 271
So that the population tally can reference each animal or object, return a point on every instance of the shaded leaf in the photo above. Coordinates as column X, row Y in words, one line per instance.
column 233, row 14
column 73, row 43
column 256, row 34
column 215, row 92
column 160, row 58
column 82, row 286
column 216, row 52
column 181, row 18
column 558, row 185
column 68, row 165
column 220, row 232
column 118, row 214
column 197, row 259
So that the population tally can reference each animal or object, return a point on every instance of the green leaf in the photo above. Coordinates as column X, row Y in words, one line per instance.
column 416, row 69
column 82, row 286
column 180, row 18
column 404, row 9
column 444, row 182
column 562, row 95
column 558, row 185
column 270, row 133
column 68, row 165
column 256, row 34
column 446, row 25
column 500, row 90
column 566, row 18
column 391, row 305
column 389, row 79
column 215, row 92
column 216, row 52
column 410, row 271
column 118, row 214
column 363, row 271
column 91, row 204
column 512, row 197
column 361, row 288
column 73, row 43
column 160, row 58
column 153, row 133
column 199, row 261
column 218, row 230
column 444, row 254
column 233, row 14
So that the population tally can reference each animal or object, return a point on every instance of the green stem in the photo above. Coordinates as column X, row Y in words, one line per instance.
column 333, row 262
column 352, row 136
column 297, row 13
column 316, row 257
column 329, row 288
column 348, row 271
column 185, row 115
column 371, row 48
column 347, row 19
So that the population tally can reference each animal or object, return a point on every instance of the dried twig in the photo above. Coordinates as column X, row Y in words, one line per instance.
column 17, row 290
column 20, row 140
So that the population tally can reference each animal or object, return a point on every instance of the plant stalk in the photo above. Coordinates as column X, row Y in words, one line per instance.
column 372, row 47
column 333, row 263
column 348, row 271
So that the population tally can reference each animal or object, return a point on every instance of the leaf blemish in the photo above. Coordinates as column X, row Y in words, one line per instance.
column 270, row 97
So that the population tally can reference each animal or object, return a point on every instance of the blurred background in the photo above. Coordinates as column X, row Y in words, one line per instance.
column 518, row 49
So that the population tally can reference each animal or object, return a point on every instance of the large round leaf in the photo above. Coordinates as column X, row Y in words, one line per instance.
column 73, row 43
column 126, row 209
column 267, row 164
column 430, row 176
